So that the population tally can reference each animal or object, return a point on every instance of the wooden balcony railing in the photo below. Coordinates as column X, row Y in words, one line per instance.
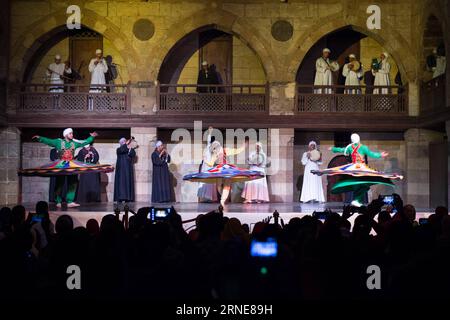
column 432, row 95
column 339, row 98
column 72, row 98
column 176, row 98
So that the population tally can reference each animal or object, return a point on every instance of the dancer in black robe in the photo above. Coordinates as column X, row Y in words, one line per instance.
column 124, row 178
column 89, row 185
column 161, row 183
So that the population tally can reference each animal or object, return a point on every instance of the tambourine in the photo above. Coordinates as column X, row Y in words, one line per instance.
column 356, row 65
column 314, row 155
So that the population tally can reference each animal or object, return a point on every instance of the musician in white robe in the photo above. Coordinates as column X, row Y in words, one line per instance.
column 98, row 67
column 256, row 190
column 312, row 189
column 352, row 76
column 324, row 75
column 55, row 72
column 382, row 75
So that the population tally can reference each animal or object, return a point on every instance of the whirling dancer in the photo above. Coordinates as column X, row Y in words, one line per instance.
column 65, row 165
column 357, row 176
column 221, row 173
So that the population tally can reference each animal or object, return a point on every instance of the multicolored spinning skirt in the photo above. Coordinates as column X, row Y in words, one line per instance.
column 64, row 167
column 224, row 171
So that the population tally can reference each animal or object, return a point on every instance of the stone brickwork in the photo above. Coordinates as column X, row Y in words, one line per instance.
column 417, row 167
column 281, row 156
column 10, row 159
column 146, row 137
column 401, row 23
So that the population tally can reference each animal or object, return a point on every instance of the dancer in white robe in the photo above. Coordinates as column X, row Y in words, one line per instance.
column 352, row 76
column 207, row 192
column 256, row 190
column 312, row 189
column 98, row 67
column 324, row 76
column 382, row 75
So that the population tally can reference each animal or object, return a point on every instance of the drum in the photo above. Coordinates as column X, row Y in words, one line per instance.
column 356, row 65
column 314, row 155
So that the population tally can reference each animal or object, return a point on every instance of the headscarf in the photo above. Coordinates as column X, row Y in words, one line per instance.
column 355, row 138
column 158, row 143
column 312, row 142
column 67, row 131
column 326, row 50
column 122, row 141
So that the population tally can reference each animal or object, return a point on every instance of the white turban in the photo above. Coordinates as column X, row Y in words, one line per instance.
column 386, row 54
column 58, row 57
column 98, row 51
column 312, row 143
column 326, row 50
column 122, row 141
column 67, row 131
column 204, row 63
column 352, row 56
column 355, row 138
column 158, row 143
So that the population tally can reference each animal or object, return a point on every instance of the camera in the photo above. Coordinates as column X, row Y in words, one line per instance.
column 264, row 249
column 159, row 214
column 394, row 201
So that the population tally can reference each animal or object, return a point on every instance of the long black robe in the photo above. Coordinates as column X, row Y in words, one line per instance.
column 89, row 184
column 124, row 176
column 52, row 186
column 161, row 182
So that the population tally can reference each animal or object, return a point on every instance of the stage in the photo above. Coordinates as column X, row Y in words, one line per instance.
column 246, row 213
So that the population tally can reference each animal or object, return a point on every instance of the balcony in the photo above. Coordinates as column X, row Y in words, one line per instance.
column 205, row 99
column 72, row 99
column 351, row 99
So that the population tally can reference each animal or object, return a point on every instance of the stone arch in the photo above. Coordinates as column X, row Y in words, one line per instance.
column 222, row 21
column 29, row 43
column 394, row 43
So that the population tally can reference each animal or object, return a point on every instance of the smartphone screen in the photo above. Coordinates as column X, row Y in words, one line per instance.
column 264, row 249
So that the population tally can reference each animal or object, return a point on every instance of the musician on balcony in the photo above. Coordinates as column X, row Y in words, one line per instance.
column 207, row 76
column 56, row 72
column 324, row 72
column 352, row 72
column 98, row 67
column 381, row 73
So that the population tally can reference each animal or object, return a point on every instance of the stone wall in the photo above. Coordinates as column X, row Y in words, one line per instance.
column 418, row 165
column 251, row 21
column 10, row 159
